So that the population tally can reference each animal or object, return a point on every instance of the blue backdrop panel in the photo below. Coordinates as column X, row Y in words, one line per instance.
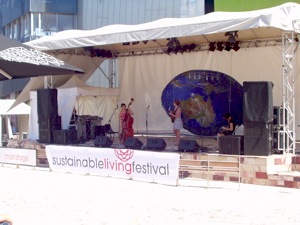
column 204, row 96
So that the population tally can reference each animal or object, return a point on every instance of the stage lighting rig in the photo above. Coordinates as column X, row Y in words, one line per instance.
column 232, row 36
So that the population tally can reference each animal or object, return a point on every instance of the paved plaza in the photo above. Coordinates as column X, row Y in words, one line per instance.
column 40, row 197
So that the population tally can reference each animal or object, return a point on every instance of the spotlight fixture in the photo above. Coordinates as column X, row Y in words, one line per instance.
column 126, row 43
column 135, row 42
column 228, row 46
column 185, row 48
column 145, row 42
column 236, row 46
column 232, row 36
column 191, row 47
column 220, row 46
column 178, row 49
column 173, row 45
column 212, row 46
column 173, row 42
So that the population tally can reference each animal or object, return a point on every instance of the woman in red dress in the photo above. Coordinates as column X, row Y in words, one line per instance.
column 126, row 122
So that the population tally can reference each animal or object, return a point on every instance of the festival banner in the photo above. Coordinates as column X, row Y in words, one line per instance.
column 18, row 156
column 157, row 167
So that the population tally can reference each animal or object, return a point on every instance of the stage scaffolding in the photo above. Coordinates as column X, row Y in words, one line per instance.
column 288, row 88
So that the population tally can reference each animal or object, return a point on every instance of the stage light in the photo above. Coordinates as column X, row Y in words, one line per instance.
column 185, row 48
column 178, row 49
column 126, row 43
column 232, row 36
column 191, row 47
column 220, row 46
column 145, row 42
column 170, row 44
column 135, row 42
column 236, row 46
column 227, row 46
column 169, row 50
column 212, row 46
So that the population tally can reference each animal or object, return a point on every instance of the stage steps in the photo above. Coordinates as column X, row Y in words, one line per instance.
column 273, row 170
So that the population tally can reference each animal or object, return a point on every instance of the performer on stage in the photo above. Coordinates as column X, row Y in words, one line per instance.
column 126, row 122
column 176, row 117
column 229, row 128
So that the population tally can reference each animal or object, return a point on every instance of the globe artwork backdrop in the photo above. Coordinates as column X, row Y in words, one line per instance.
column 204, row 96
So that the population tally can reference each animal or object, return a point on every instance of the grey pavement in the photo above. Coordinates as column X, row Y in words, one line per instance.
column 40, row 197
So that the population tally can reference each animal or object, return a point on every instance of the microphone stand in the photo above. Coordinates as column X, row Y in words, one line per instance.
column 109, row 121
column 147, row 122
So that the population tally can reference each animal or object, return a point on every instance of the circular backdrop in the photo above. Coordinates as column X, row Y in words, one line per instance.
column 204, row 96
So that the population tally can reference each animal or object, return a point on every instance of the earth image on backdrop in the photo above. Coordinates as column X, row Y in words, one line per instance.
column 204, row 96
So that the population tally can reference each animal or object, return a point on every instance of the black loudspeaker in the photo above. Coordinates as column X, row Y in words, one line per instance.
column 64, row 137
column 45, row 136
column 53, row 123
column 133, row 143
column 258, row 130
column 156, row 144
column 258, row 101
column 257, row 146
column 47, row 103
column 188, row 146
column 231, row 144
column 103, row 141
column 278, row 116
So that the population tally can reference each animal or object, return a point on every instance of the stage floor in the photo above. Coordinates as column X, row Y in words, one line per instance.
column 207, row 144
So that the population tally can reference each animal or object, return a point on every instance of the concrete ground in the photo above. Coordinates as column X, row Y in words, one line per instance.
column 40, row 197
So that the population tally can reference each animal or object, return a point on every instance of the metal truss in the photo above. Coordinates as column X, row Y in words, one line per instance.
column 288, row 89
column 20, row 54
column 112, row 72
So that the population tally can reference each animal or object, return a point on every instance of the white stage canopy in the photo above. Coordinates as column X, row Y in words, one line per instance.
column 148, row 67
column 252, row 25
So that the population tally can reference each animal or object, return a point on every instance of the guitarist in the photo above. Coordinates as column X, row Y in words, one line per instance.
column 177, row 125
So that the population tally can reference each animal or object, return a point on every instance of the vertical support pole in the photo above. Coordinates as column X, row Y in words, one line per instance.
column 0, row 130
column 288, row 89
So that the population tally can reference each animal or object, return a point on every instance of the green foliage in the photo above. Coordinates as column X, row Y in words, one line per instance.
column 247, row 5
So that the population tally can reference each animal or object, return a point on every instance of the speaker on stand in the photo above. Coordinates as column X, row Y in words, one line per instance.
column 258, row 117
column 48, row 118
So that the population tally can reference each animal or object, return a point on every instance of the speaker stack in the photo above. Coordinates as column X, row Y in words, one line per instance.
column 278, row 134
column 258, row 118
column 48, row 118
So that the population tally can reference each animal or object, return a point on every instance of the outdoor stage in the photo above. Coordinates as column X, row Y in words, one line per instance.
column 206, row 164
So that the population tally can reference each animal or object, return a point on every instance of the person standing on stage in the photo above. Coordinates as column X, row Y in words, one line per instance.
column 176, row 116
column 126, row 122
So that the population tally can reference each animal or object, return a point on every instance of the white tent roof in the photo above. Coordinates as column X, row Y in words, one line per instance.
column 259, row 24
column 82, row 89
column 21, row 109
column 73, row 88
